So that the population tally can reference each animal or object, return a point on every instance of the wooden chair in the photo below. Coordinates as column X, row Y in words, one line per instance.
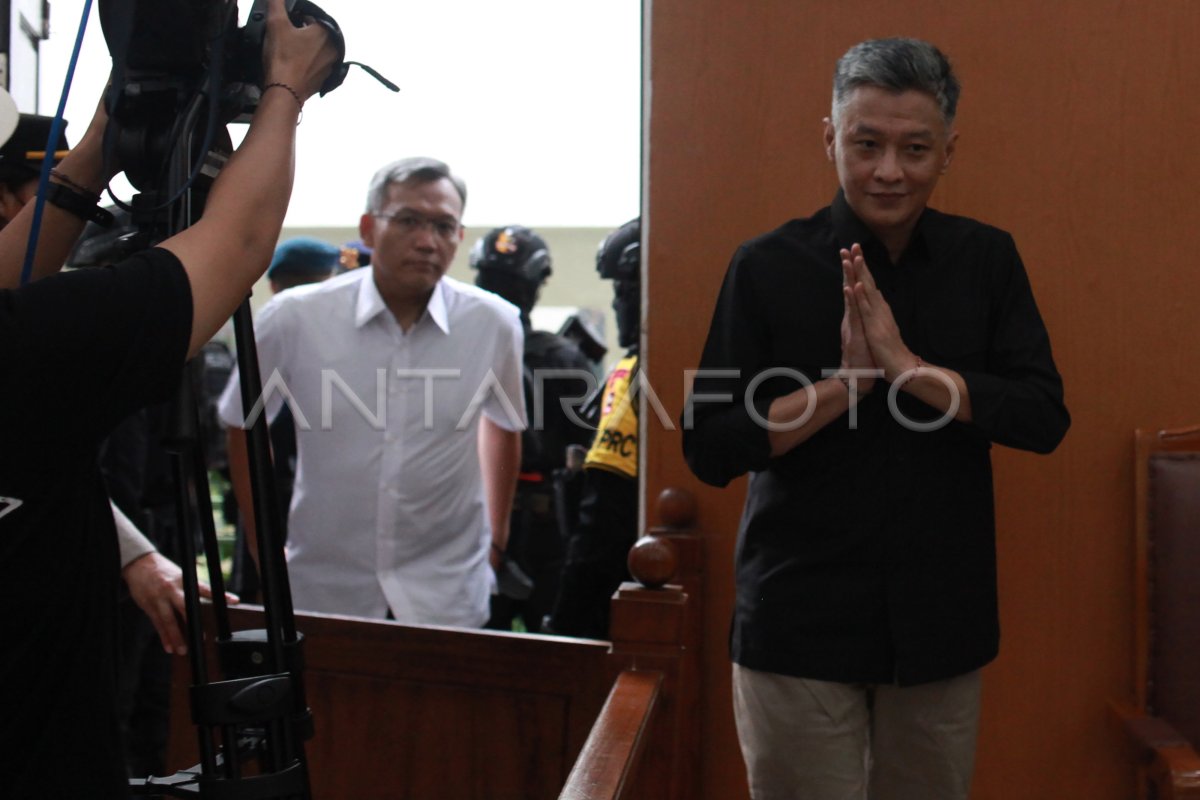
column 1163, row 721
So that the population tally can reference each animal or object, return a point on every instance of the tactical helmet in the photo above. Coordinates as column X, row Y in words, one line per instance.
column 515, row 250
column 620, row 260
column 620, row 254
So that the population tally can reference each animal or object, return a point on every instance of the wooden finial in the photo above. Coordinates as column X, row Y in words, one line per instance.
column 653, row 561
column 676, row 507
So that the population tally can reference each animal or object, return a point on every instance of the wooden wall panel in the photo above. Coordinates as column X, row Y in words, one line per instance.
column 1078, row 122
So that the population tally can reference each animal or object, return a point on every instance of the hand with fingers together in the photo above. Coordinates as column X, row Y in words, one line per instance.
column 887, row 348
column 856, row 351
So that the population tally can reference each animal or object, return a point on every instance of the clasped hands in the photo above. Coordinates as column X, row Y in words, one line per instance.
column 870, row 337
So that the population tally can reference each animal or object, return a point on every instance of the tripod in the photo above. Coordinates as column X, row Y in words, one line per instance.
column 252, row 716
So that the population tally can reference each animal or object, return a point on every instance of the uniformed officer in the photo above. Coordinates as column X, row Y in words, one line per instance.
column 607, row 522
column 514, row 262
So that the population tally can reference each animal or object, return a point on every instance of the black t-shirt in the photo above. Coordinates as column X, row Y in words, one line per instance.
column 78, row 353
column 867, row 553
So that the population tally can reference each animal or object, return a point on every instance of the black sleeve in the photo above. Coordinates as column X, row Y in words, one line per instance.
column 87, row 348
column 1018, row 400
column 723, row 436
column 555, row 381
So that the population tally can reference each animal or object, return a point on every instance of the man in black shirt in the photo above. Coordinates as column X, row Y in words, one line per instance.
column 860, row 364
column 80, row 352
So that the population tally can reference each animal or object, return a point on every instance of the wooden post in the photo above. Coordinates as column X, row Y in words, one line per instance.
column 656, row 627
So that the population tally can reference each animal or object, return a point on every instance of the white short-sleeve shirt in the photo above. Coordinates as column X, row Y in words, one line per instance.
column 388, row 510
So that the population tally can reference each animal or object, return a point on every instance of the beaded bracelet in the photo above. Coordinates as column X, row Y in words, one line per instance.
column 292, row 92
column 64, row 178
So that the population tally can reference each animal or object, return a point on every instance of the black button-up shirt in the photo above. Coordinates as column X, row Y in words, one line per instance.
column 867, row 553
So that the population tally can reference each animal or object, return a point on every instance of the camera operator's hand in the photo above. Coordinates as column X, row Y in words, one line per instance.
column 232, row 244
column 299, row 58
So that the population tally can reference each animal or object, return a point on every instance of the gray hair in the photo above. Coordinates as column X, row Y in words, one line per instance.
column 897, row 65
column 410, row 170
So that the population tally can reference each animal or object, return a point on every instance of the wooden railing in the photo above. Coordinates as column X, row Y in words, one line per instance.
column 618, row 739
column 656, row 641
column 1164, row 758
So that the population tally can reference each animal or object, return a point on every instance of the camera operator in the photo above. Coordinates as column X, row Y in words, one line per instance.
column 79, row 352
column 155, row 582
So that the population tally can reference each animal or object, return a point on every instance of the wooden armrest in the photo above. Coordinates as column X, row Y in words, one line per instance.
column 1176, row 771
column 1170, row 760
column 617, row 739
column 1147, row 732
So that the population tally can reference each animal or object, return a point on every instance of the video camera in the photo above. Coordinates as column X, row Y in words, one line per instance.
column 184, row 65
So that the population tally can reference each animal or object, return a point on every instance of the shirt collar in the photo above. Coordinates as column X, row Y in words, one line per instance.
column 436, row 308
column 849, row 228
column 370, row 303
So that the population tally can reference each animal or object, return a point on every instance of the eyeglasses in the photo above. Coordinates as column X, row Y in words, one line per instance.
column 409, row 223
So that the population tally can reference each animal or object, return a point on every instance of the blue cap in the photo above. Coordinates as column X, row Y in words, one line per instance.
column 303, row 256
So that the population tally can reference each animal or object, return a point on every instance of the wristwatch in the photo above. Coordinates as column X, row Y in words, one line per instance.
column 84, row 206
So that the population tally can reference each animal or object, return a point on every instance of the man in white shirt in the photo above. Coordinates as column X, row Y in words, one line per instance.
column 403, row 488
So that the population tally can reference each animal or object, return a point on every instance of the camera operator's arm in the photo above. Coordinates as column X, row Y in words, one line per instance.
column 59, row 228
column 231, row 246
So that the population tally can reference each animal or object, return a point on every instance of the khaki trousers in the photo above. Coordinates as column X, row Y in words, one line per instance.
column 815, row 740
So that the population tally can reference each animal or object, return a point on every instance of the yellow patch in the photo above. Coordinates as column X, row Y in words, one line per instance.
column 615, row 447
